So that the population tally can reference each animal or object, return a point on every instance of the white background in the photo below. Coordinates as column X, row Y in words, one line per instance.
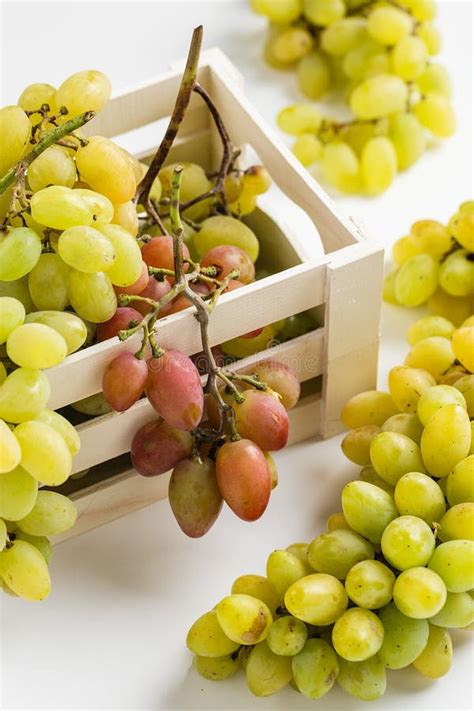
column 111, row 635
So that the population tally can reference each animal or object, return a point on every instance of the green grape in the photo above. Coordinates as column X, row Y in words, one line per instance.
column 365, row 680
column 18, row 289
column 259, row 587
column 48, row 283
column 368, row 509
column 437, row 397
column 12, row 315
column 404, row 639
column 404, row 249
column 25, row 571
column 365, row 61
column 318, row 599
column 60, row 207
column 340, row 166
column 430, row 237
column 356, row 444
column 356, row 135
column 92, row 406
column 323, row 12
column 419, row 593
column 3, row 539
column 379, row 96
column 307, row 148
column 205, row 638
column 369, row 584
column 53, row 167
column 387, row 25
column 463, row 346
column 457, row 523
column 287, row 636
column 222, row 229
column 460, row 482
column 392, row 455
column 216, row 668
column 10, row 453
column 434, row 354
column 357, row 635
column 70, row 326
column 335, row 553
column 430, row 326
column 86, row 249
column 456, row 274
column 290, row 44
column 378, row 166
column 52, row 514
column 300, row 550
column 44, row 453
column 281, row 12
column 418, row 495
column 244, row 619
column 436, row 114
column 18, row 492
column 35, row 95
column 435, row 80
column 100, row 206
column 337, row 521
column 299, row 119
column 266, row 672
column 406, row 385
column 63, row 427
column 39, row 542
column 314, row 75
column 417, row 280
column 405, row 424
column 446, row 440
column 23, row 395
column 369, row 475
column 436, row 658
column 462, row 227
column 243, row 346
column 283, row 569
column 409, row 57
column 88, row 90
column 421, row 10
column 128, row 262
column 407, row 542
column 457, row 611
column 15, row 124
column 20, row 249
column 92, row 296
column 388, row 292
column 295, row 326
column 36, row 346
column 315, row 669
column 108, row 169
column 408, row 138
column 194, row 182
column 343, row 35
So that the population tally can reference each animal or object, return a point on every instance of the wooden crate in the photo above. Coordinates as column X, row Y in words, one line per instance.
column 338, row 275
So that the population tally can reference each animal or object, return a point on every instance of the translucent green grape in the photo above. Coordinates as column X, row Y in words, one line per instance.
column 405, row 424
column 63, row 427
column 369, row 475
column 379, row 167
column 340, row 166
column 408, row 138
column 244, row 619
column 283, row 569
column 369, row 584
column 222, row 229
column 454, row 563
column 371, row 407
column 206, row 638
column 314, row 75
column 356, row 444
column 266, row 672
column 216, row 668
column 335, row 553
column 430, row 326
column 416, row 280
column 257, row 586
column 404, row 639
column 457, row 523
column 323, row 12
column 44, row 453
column 407, row 542
column 12, row 314
column 315, row 668
column 435, row 80
column 457, row 611
column 463, row 346
column 419, row 593
column 48, row 283
column 25, row 571
column 68, row 325
column 357, row 634
column 393, row 455
column 127, row 265
column 20, row 250
column 36, row 346
column 446, row 439
column 456, row 274
column 460, row 482
column 60, row 208
column 52, row 513
column 367, row 509
column 92, row 296
column 343, row 35
column 23, row 395
column 436, row 658
column 465, row 385
column 436, row 114
column 18, row 492
column 287, row 636
column 419, row 495
column 39, row 542
column 365, row 680
column 379, row 96
column 409, row 57
column 101, row 207
column 53, row 167
column 406, row 385
column 318, row 599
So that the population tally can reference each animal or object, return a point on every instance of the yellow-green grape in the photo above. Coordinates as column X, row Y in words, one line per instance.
column 44, row 453
column 216, row 668
column 88, row 90
column 378, row 96
column 63, row 427
column 388, row 292
column 435, row 354
column 458, row 611
column 18, row 492
column 70, row 326
column 39, row 542
column 407, row 542
column 60, row 208
column 25, row 571
column 392, row 455
column 369, row 584
column 299, row 119
column 369, row 475
column 357, row 134
column 291, row 44
column 419, row 495
column 52, row 513
column 222, row 229
column 365, row 680
column 287, row 636
column 454, row 308
column 378, row 165
column 323, row 12
column 422, row 10
column 244, row 619
column 405, row 424
column 100, row 206
column 435, row 80
column 314, row 75
column 15, row 124
column 233, row 186
column 403, row 250
column 340, row 167
column 281, row 12
column 343, row 35
column 457, row 523
column 36, row 346
column 387, row 25
column 372, row 407
column 357, row 635
column 205, row 638
column 23, row 395
column 463, row 346
column 243, row 347
column 454, row 563
column 406, row 385
column 92, row 296
column 86, row 249
column 336, row 521
column 18, row 289
column 409, row 57
column 20, row 249
column 456, row 274
column 53, row 167
column 35, row 95
column 356, row 444
column 300, row 550
column 107, row 169
column 436, row 658
column 245, row 204
column 93, row 406
column 259, row 587
column 194, row 182
column 307, row 148
column 408, row 138
column 435, row 398
column 283, row 569
column 266, row 672
column 126, row 216
column 10, row 453
column 446, row 440
column 430, row 326
column 368, row 509
column 417, row 280
column 419, row 593
column 48, row 282
column 436, row 113
column 460, row 482
column 12, row 315
column 318, row 599
column 128, row 262
column 404, row 639
column 365, row 61
column 315, row 668
column 462, row 227
column 336, row 552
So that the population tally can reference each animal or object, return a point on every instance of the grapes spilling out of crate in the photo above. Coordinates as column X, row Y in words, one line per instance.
column 379, row 57
column 96, row 245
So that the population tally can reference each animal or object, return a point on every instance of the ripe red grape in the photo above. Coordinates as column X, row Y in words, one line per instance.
column 244, row 478
column 226, row 258
column 138, row 286
column 121, row 320
column 154, row 290
column 124, row 381
column 158, row 252
column 157, row 448
column 279, row 378
column 194, row 496
column 263, row 419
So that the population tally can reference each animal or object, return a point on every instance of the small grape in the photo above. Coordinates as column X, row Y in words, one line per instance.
column 407, row 542
column 259, row 587
column 378, row 96
column 12, row 315
column 156, row 448
column 409, row 57
column 125, row 215
column 23, row 395
column 266, row 672
column 454, row 563
column 419, row 593
column 454, row 308
column 194, row 182
column 243, row 478
column 44, row 453
column 404, row 639
column 15, row 124
column 281, row 12
column 125, row 317
column 318, row 599
column 84, row 91
column 365, row 680
column 25, row 571
column 315, row 668
column 463, row 346
column 458, row 611
column 194, row 496
column 287, row 636
column 52, row 513
column 126, row 267
column 369, row 584
column 174, row 389
column 68, row 325
column 436, row 658
column 418, row 495
column 207, row 639
column 435, row 113
column 446, row 439
column 368, row 509
column 435, row 80
column 107, row 169
column 92, row 296
column 357, row 635
column 227, row 258
column 20, row 250
column 460, row 482
column 430, row 326
column 283, row 569
column 378, row 166
column 457, row 523
column 100, row 206
column 60, row 208
column 48, row 283
column 392, row 455
column 335, row 553
column 416, row 280
column 314, row 75
column 300, row 119
column 340, row 166
column 35, row 95
column 63, row 427
column 307, row 148
column 18, row 491
column 408, row 138
column 405, row 424
column 323, row 12
column 387, row 25
column 291, row 44
column 244, row 619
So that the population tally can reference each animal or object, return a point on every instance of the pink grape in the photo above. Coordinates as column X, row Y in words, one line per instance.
column 226, row 258
column 124, row 381
column 279, row 378
column 263, row 419
column 158, row 252
column 174, row 389
column 121, row 320
column 154, row 290
column 244, row 478
column 194, row 496
column 157, row 448
column 138, row 286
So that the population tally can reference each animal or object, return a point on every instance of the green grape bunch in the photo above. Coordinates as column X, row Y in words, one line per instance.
column 379, row 57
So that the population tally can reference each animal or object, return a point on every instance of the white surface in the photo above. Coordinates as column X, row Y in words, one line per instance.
column 111, row 635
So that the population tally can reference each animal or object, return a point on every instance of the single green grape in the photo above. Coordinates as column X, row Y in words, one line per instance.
column 454, row 563
column 59, row 423
column 463, row 346
column 435, row 80
column 52, row 513
column 365, row 680
column 39, row 542
column 430, row 326
column 335, row 553
column 314, row 75
column 23, row 395
column 368, row 509
column 457, row 523
column 409, row 57
column 12, row 314
column 436, row 658
column 378, row 168
column 25, row 571
column 404, row 638
column 372, row 407
column 52, row 167
column 357, row 634
column 206, row 638
column 416, row 280
column 406, row 385
column 340, row 166
column 419, row 495
column 315, row 668
column 44, row 453
column 287, row 636
column 405, row 424
column 267, row 673
column 460, row 482
column 127, row 265
column 408, row 138
column 419, row 593
column 68, row 325
column 48, row 283
column 216, row 668
column 18, row 492
column 457, row 611
column 36, row 346
column 436, row 114
column 465, row 385
column 244, row 619
column 356, row 444
column 379, row 96
column 283, row 569
column 60, row 208
column 257, row 586
column 369, row 584
column 392, row 455
column 20, row 250
column 317, row 599
column 446, row 439
column 92, row 296
column 407, row 542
